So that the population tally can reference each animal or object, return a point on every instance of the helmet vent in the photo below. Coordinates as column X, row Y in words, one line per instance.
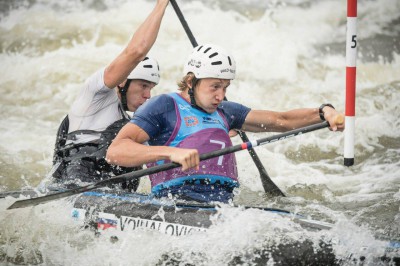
column 210, row 61
column 147, row 69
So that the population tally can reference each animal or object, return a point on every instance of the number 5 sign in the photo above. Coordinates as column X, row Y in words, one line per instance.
column 351, row 55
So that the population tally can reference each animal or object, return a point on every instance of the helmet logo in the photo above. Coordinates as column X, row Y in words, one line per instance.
column 210, row 61
column 229, row 70
column 194, row 63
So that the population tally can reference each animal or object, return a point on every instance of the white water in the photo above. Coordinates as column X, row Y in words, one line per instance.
column 290, row 54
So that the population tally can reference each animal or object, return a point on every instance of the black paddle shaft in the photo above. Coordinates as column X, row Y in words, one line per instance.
column 268, row 185
column 159, row 168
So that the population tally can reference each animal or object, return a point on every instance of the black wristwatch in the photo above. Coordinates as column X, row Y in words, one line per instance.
column 321, row 113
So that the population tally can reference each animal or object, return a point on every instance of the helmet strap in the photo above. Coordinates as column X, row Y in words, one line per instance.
column 191, row 94
column 123, row 91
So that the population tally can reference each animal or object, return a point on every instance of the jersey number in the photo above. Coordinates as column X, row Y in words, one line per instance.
column 222, row 146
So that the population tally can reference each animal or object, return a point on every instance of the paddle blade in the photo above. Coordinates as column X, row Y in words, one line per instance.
column 269, row 186
column 50, row 197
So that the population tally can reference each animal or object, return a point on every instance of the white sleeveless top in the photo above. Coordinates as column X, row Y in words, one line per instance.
column 95, row 108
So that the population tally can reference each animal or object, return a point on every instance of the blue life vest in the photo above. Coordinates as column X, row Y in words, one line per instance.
column 205, row 132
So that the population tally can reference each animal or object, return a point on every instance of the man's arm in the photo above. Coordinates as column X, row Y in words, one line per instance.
column 127, row 150
column 269, row 121
column 137, row 49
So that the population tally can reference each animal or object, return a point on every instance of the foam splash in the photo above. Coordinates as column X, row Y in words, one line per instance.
column 290, row 54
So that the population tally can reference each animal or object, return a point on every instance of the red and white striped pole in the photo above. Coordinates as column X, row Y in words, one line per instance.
column 351, row 55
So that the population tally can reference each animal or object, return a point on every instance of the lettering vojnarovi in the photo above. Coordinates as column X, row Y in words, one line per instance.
column 130, row 223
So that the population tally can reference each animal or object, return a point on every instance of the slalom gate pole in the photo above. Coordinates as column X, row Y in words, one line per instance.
column 351, row 55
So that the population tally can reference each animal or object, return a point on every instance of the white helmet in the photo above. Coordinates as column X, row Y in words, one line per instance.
column 148, row 70
column 211, row 61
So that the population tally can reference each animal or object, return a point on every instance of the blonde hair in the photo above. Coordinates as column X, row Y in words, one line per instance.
column 183, row 83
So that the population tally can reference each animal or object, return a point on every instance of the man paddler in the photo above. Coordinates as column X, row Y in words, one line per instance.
column 180, row 126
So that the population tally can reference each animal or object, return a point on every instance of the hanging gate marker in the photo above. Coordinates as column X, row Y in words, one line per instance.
column 351, row 55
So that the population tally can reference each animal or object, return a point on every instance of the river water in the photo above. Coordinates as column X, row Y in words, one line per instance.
column 290, row 54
